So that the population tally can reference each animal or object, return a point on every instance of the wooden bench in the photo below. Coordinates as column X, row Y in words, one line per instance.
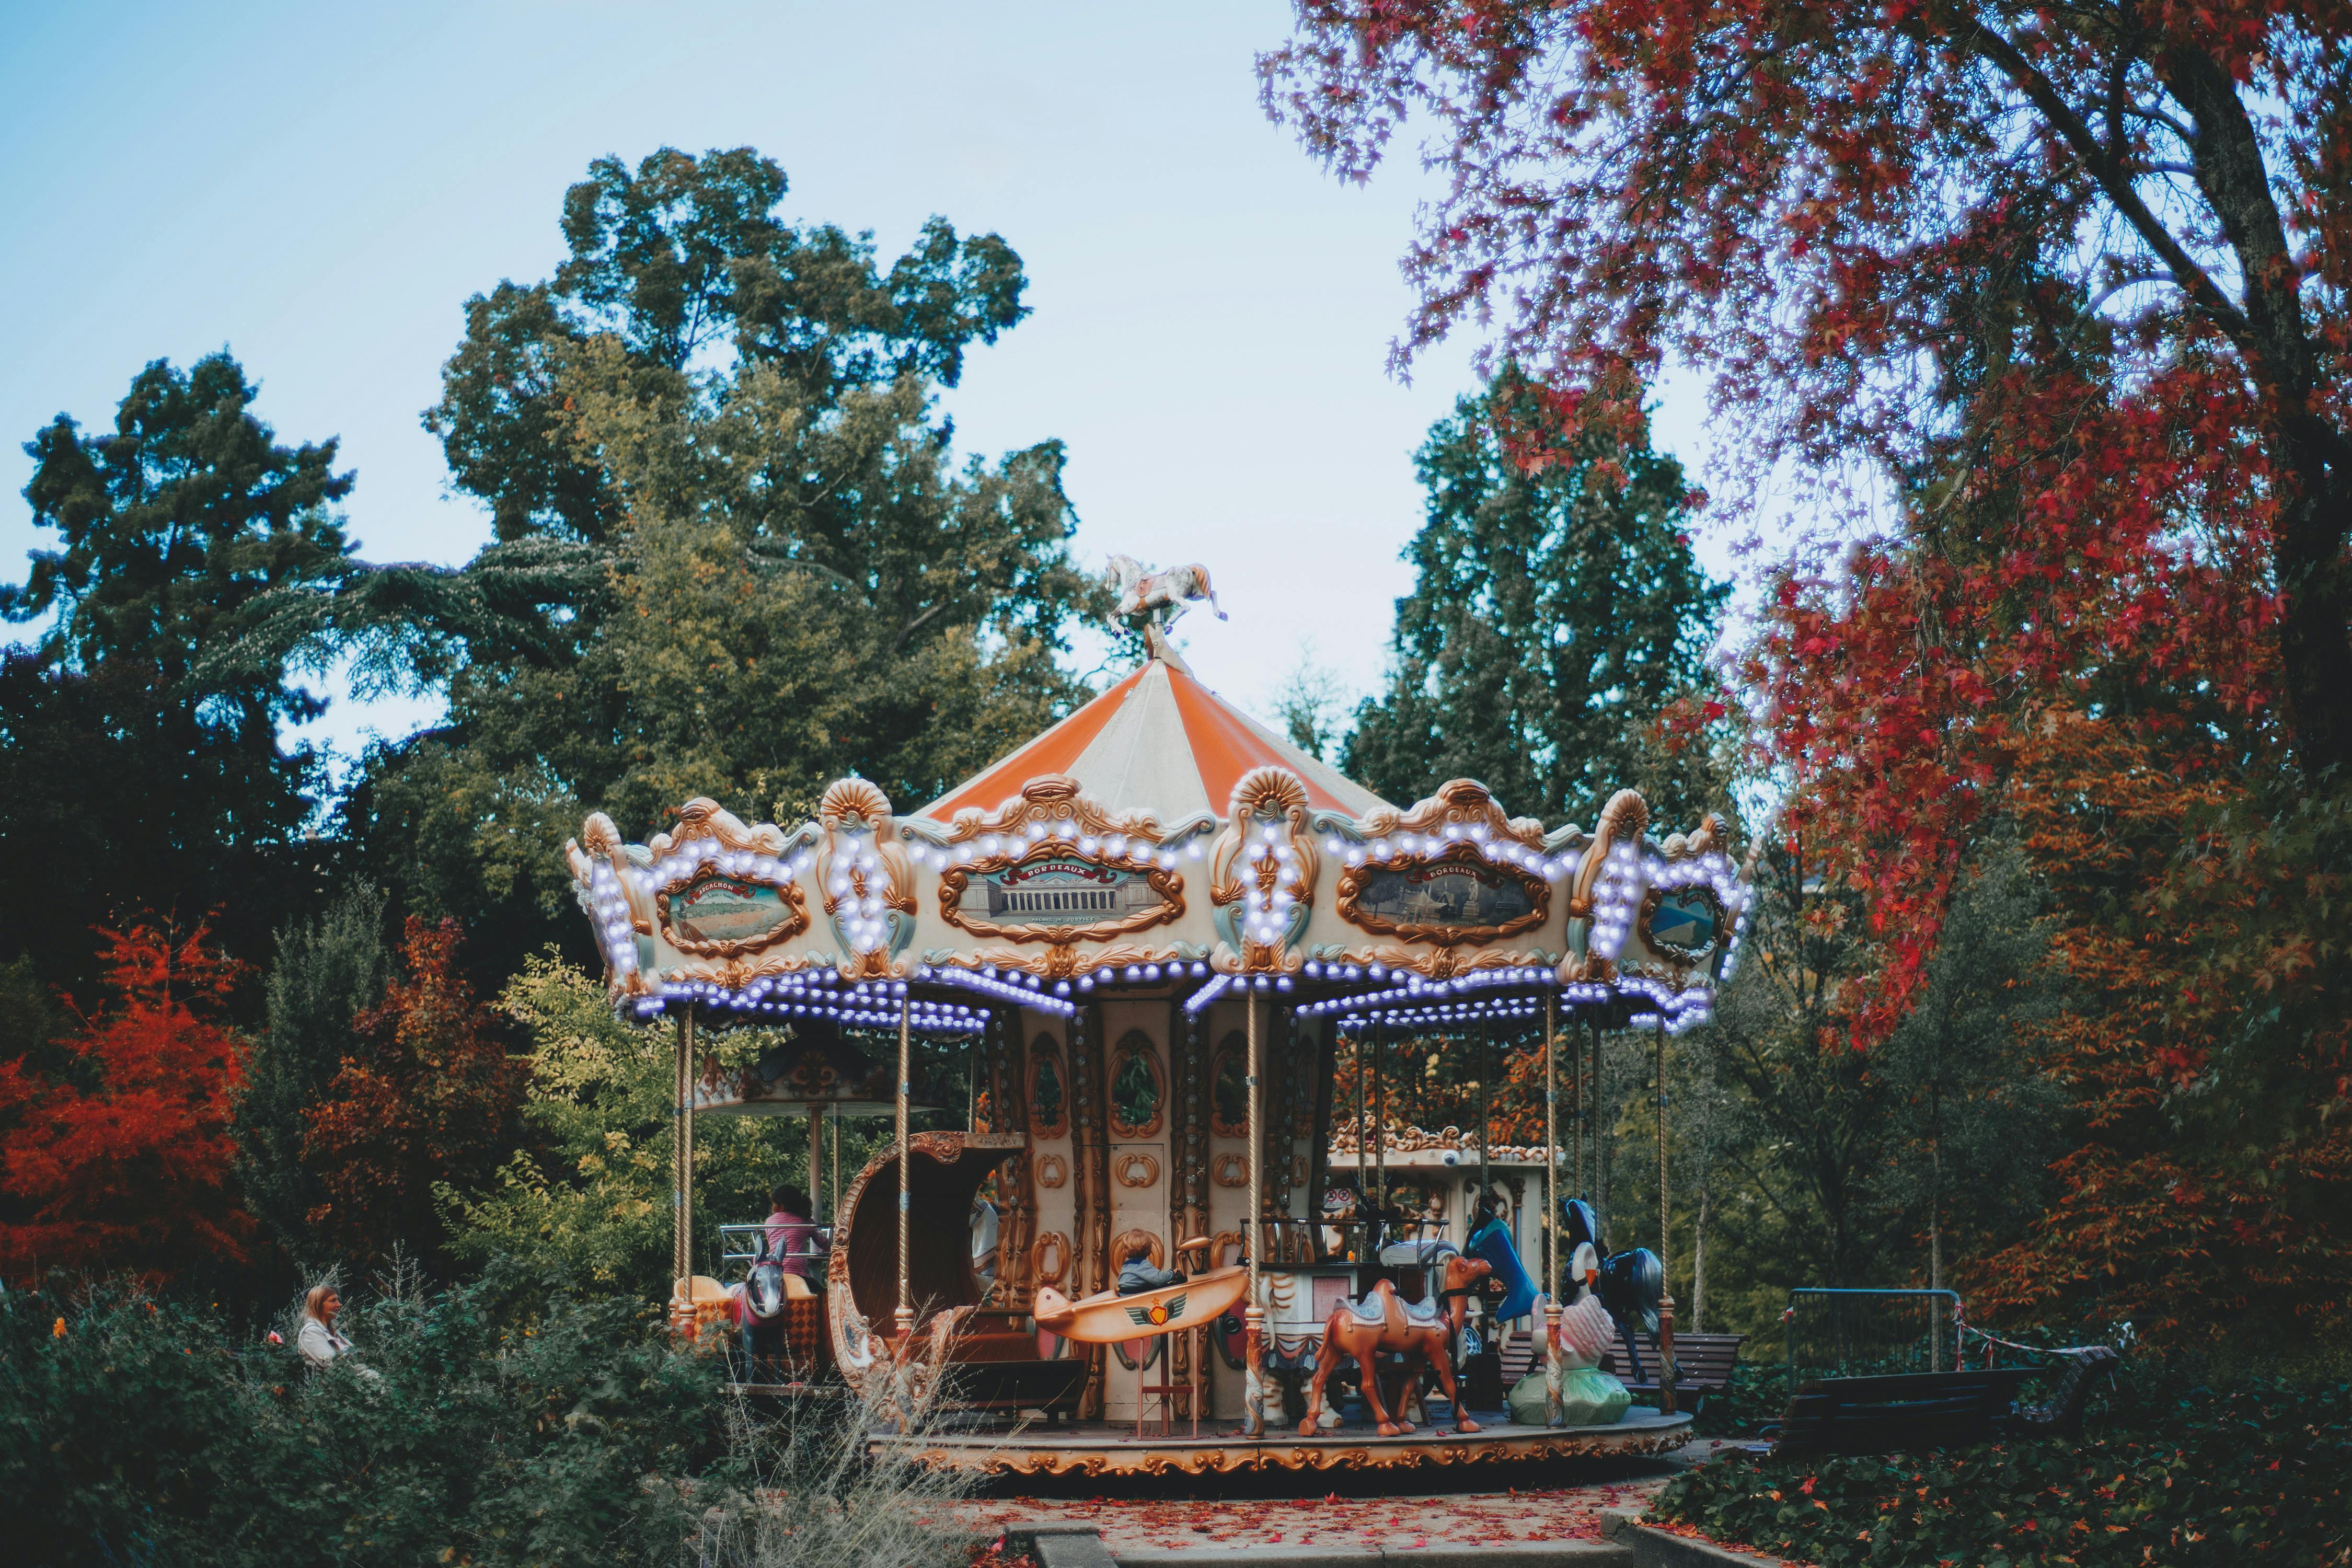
column 1936, row 1409
column 1703, row 1364
column 1906, row 1410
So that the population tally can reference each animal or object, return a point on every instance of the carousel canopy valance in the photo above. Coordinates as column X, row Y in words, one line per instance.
column 1160, row 838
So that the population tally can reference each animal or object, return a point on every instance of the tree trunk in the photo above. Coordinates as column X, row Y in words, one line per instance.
column 1935, row 1215
column 1698, row 1267
column 2312, row 458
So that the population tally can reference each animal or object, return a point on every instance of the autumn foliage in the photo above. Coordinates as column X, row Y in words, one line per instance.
column 123, row 1161
column 427, row 1097
column 2067, row 291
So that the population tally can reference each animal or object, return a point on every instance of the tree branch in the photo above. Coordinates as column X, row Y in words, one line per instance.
column 2194, row 279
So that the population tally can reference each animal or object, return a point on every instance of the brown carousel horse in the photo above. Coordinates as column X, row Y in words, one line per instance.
column 1379, row 1322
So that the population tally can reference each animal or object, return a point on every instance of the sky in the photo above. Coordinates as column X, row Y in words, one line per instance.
column 319, row 189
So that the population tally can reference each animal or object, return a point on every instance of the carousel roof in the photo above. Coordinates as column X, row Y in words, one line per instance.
column 1159, row 741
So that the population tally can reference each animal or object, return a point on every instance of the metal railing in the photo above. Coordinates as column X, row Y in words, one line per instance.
column 1869, row 1333
column 742, row 1244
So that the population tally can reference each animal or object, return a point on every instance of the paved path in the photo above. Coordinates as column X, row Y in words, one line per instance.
column 1218, row 1516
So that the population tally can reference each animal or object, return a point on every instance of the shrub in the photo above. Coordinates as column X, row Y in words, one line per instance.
column 502, row 1422
column 2171, row 1471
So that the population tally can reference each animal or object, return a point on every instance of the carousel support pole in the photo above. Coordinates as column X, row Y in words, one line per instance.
column 1552, row 1411
column 1600, row 1188
column 1666, row 1369
column 816, row 1161
column 1576, row 1113
column 1379, row 1136
column 681, row 1088
column 1363, row 1147
column 1486, row 1117
column 1253, row 1318
column 906, row 1165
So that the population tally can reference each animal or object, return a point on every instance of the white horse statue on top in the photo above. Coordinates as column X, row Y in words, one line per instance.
column 1142, row 592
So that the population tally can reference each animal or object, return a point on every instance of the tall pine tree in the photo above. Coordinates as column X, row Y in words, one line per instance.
column 1556, row 611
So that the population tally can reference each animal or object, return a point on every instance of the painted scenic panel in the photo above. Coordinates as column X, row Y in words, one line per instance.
column 1448, row 893
column 1685, row 920
column 1060, row 890
column 716, row 910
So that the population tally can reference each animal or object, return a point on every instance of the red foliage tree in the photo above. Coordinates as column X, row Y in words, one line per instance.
column 429, row 1097
column 134, row 1171
column 2075, row 283
column 1841, row 209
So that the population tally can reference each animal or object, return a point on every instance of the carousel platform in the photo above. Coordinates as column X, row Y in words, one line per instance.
column 1112, row 1448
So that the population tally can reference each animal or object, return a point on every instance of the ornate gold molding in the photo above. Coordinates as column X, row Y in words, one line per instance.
column 703, row 817
column 1263, row 891
column 1052, row 799
column 1441, row 962
column 1133, row 1045
column 1053, row 1171
column 1622, row 822
column 1035, row 1453
column 860, row 861
column 1150, row 1176
column 1674, row 952
column 1416, row 1140
column 1049, row 1244
column 1463, row 802
column 1064, row 962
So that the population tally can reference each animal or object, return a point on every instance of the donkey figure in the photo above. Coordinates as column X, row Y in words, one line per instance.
column 1378, row 1323
column 760, row 1315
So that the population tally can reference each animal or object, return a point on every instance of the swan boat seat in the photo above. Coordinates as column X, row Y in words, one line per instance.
column 992, row 1353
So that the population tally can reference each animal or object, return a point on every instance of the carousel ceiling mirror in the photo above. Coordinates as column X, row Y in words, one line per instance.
column 1138, row 1091
column 1049, row 1102
column 1229, row 1088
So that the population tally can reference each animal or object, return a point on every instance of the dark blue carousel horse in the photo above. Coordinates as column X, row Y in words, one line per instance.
column 1491, row 1243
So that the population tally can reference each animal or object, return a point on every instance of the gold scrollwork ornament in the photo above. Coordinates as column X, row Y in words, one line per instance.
column 1262, row 874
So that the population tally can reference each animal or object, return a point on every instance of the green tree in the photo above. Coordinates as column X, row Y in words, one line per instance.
column 589, row 1195
column 134, row 767
column 1801, row 1125
column 678, row 261
column 1969, row 1112
column 328, row 972
column 1557, row 610
column 742, row 557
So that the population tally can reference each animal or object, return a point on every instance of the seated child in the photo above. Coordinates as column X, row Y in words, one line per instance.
column 1137, row 1274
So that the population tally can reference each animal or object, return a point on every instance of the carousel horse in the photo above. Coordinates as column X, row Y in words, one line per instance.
column 1630, row 1286
column 1140, row 592
column 1491, row 1241
column 1379, row 1322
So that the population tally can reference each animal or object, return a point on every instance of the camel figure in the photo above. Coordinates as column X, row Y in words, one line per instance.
column 1379, row 1322
column 1141, row 592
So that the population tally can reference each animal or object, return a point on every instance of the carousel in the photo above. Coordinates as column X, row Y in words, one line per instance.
column 1160, row 931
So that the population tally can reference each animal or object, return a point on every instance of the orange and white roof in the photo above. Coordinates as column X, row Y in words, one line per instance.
column 1158, row 741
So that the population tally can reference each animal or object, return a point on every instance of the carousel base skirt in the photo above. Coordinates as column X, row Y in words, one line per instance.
column 1112, row 1448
